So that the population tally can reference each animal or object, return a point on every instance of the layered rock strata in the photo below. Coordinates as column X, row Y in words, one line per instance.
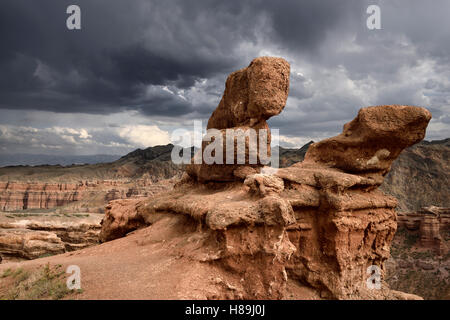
column 430, row 222
column 31, row 238
column 89, row 195
column 321, row 221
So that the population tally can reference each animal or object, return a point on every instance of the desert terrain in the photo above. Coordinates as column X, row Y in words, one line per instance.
column 143, row 228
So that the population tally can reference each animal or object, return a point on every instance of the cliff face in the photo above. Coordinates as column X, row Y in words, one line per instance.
column 430, row 222
column 420, row 257
column 85, row 196
column 22, row 196
column 322, row 221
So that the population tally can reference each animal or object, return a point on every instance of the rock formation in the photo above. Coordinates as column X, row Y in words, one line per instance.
column 252, row 95
column 321, row 221
column 31, row 238
column 430, row 222
column 20, row 196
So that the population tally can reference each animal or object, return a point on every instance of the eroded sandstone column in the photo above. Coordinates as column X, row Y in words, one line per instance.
column 252, row 95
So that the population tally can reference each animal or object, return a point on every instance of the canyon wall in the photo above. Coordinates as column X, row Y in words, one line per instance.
column 85, row 196
column 430, row 222
column 22, row 196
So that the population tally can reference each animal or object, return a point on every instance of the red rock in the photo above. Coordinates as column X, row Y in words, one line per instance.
column 429, row 221
column 322, row 221
column 252, row 95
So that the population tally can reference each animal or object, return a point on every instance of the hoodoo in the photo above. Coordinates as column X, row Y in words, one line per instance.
column 322, row 221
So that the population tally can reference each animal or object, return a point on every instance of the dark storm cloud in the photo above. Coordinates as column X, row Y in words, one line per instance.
column 125, row 46
column 164, row 62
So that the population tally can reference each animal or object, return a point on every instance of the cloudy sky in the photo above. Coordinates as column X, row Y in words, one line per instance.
column 137, row 70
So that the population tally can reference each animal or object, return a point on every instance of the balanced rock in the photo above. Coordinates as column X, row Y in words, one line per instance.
column 322, row 222
column 252, row 95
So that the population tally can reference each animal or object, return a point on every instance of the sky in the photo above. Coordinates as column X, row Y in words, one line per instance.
column 138, row 70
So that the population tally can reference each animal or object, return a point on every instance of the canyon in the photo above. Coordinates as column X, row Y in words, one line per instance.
column 49, row 210
column 322, row 221
column 85, row 188
column 308, row 230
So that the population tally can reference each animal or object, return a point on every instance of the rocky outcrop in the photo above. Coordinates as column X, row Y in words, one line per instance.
column 322, row 221
column 120, row 218
column 29, row 244
column 31, row 238
column 430, row 222
column 252, row 95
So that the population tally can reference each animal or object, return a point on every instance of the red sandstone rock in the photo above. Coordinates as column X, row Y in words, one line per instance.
column 252, row 95
column 120, row 218
column 373, row 140
column 322, row 221
column 88, row 196
column 30, row 238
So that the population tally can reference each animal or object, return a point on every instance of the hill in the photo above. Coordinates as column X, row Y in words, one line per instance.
column 153, row 163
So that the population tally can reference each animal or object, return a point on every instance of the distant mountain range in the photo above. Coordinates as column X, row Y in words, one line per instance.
column 162, row 153
column 44, row 159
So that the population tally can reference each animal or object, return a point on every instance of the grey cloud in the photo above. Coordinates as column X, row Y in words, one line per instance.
column 167, row 61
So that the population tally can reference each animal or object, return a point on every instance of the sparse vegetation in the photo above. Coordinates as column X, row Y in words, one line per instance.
column 45, row 255
column 80, row 215
column 7, row 273
column 423, row 254
column 44, row 283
